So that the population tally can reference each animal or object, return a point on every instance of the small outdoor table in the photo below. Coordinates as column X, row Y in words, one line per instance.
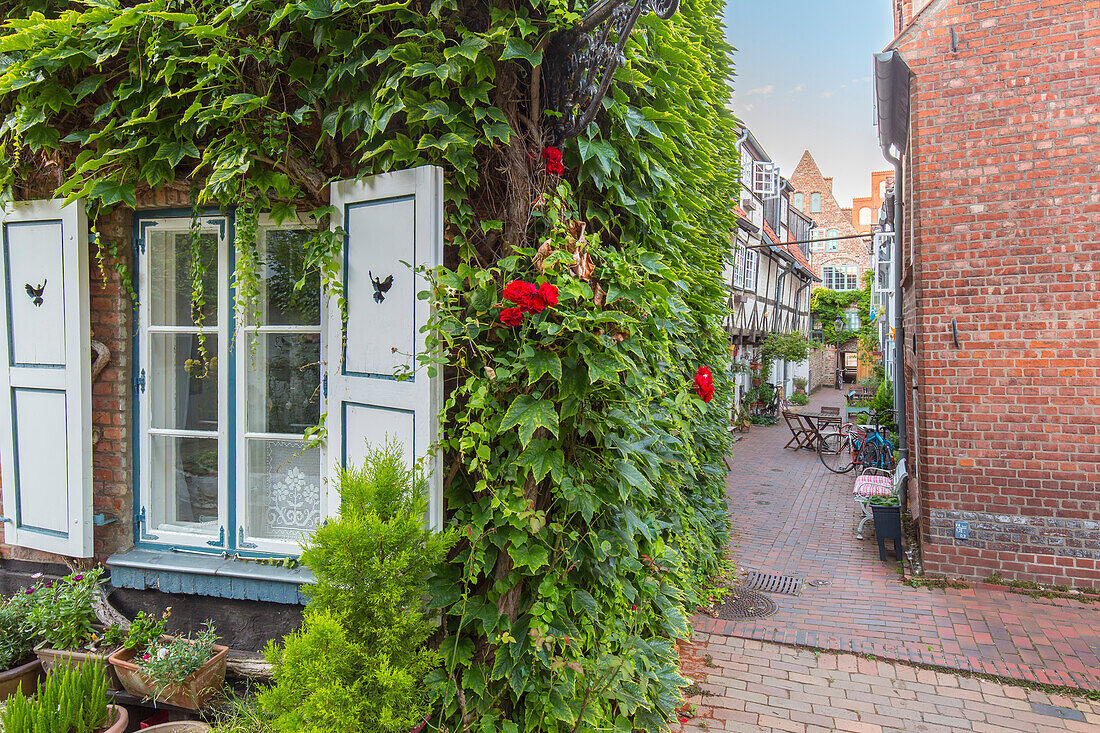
column 817, row 423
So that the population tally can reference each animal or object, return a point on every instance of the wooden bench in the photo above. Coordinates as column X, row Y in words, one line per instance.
column 876, row 482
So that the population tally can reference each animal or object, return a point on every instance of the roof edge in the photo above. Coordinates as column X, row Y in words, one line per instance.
column 925, row 13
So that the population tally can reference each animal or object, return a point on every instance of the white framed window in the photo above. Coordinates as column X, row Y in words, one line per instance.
column 840, row 277
column 222, row 410
column 815, row 203
column 796, row 201
column 831, row 245
column 851, row 317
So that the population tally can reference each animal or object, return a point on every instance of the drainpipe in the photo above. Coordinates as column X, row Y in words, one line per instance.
column 899, row 327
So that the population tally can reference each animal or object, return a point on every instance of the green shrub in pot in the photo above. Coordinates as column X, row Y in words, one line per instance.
column 70, row 700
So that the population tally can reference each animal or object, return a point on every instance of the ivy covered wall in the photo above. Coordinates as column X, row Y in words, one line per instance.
column 583, row 467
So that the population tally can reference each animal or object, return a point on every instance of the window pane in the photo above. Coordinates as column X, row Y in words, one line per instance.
column 184, row 484
column 182, row 387
column 170, row 274
column 284, row 265
column 284, row 376
column 284, row 494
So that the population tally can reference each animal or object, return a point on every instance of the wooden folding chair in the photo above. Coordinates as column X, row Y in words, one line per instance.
column 798, row 432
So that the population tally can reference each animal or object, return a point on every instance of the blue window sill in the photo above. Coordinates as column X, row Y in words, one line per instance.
column 213, row 576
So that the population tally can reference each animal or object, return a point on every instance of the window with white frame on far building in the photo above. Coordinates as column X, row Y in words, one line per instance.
column 831, row 244
column 840, row 277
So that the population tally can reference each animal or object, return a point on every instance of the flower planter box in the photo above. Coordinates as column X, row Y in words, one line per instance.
column 121, row 719
column 193, row 694
column 887, row 527
column 52, row 658
column 22, row 679
column 186, row 726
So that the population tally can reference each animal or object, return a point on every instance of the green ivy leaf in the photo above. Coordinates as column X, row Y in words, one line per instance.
column 114, row 192
column 543, row 362
column 530, row 414
column 517, row 48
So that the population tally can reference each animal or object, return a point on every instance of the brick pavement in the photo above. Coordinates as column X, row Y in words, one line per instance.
column 792, row 516
column 748, row 685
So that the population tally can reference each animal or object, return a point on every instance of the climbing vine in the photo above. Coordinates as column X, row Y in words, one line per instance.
column 582, row 468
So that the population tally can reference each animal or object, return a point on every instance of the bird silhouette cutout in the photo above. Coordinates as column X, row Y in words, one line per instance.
column 380, row 286
column 36, row 293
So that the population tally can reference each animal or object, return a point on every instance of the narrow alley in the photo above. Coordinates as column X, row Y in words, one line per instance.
column 792, row 517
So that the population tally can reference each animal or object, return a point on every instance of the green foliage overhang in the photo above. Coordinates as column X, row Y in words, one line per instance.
column 585, row 476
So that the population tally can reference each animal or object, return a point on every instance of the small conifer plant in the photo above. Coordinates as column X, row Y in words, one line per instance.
column 359, row 661
column 69, row 700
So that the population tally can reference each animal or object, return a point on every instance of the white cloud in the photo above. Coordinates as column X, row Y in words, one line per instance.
column 762, row 91
column 798, row 89
column 861, row 80
column 826, row 95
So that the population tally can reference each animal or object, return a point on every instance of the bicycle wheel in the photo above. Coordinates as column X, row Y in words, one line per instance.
column 835, row 451
column 869, row 454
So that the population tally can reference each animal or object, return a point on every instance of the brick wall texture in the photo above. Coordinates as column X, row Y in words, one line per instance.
column 1003, row 189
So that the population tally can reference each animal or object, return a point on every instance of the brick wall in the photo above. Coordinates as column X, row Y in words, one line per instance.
column 1004, row 168
column 822, row 363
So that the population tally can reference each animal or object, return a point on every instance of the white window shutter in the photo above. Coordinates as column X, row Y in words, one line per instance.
column 393, row 224
column 46, row 395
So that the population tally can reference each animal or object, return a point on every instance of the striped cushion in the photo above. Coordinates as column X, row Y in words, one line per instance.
column 867, row 486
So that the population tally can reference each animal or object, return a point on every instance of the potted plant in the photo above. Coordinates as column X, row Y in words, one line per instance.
column 21, row 668
column 887, row 513
column 72, row 699
column 184, row 671
column 800, row 384
column 61, row 615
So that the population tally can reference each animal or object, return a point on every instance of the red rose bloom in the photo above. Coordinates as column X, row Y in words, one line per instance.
column 552, row 156
column 704, row 384
column 511, row 316
column 548, row 293
column 525, row 295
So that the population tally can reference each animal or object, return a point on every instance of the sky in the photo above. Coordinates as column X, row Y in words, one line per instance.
column 803, row 82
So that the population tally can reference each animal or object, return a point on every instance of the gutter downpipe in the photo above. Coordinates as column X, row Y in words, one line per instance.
column 899, row 324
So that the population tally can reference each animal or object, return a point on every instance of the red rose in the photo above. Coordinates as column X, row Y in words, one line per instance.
column 518, row 291
column 548, row 293
column 511, row 316
column 525, row 295
column 552, row 156
column 704, row 384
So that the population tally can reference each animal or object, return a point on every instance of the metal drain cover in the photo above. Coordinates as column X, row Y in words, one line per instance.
column 770, row 583
column 762, row 502
column 742, row 603
column 819, row 582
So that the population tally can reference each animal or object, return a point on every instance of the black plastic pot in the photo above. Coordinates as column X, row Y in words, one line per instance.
column 887, row 526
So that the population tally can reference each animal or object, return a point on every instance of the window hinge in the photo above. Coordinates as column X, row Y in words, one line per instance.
column 220, row 542
column 241, row 544
column 141, row 522
column 139, row 244
column 139, row 381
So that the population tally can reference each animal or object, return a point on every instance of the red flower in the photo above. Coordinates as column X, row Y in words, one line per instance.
column 548, row 293
column 704, row 384
column 552, row 156
column 529, row 298
column 511, row 316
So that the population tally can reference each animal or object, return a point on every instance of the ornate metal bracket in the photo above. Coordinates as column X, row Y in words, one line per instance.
column 580, row 62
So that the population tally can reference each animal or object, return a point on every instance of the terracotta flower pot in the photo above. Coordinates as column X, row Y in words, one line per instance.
column 52, row 658
column 22, row 679
column 120, row 717
column 192, row 694
column 188, row 726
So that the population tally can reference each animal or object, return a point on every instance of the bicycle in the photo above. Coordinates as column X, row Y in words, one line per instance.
column 857, row 445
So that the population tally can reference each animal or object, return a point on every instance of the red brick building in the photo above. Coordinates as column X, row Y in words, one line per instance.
column 1001, row 278
column 838, row 263
column 865, row 209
